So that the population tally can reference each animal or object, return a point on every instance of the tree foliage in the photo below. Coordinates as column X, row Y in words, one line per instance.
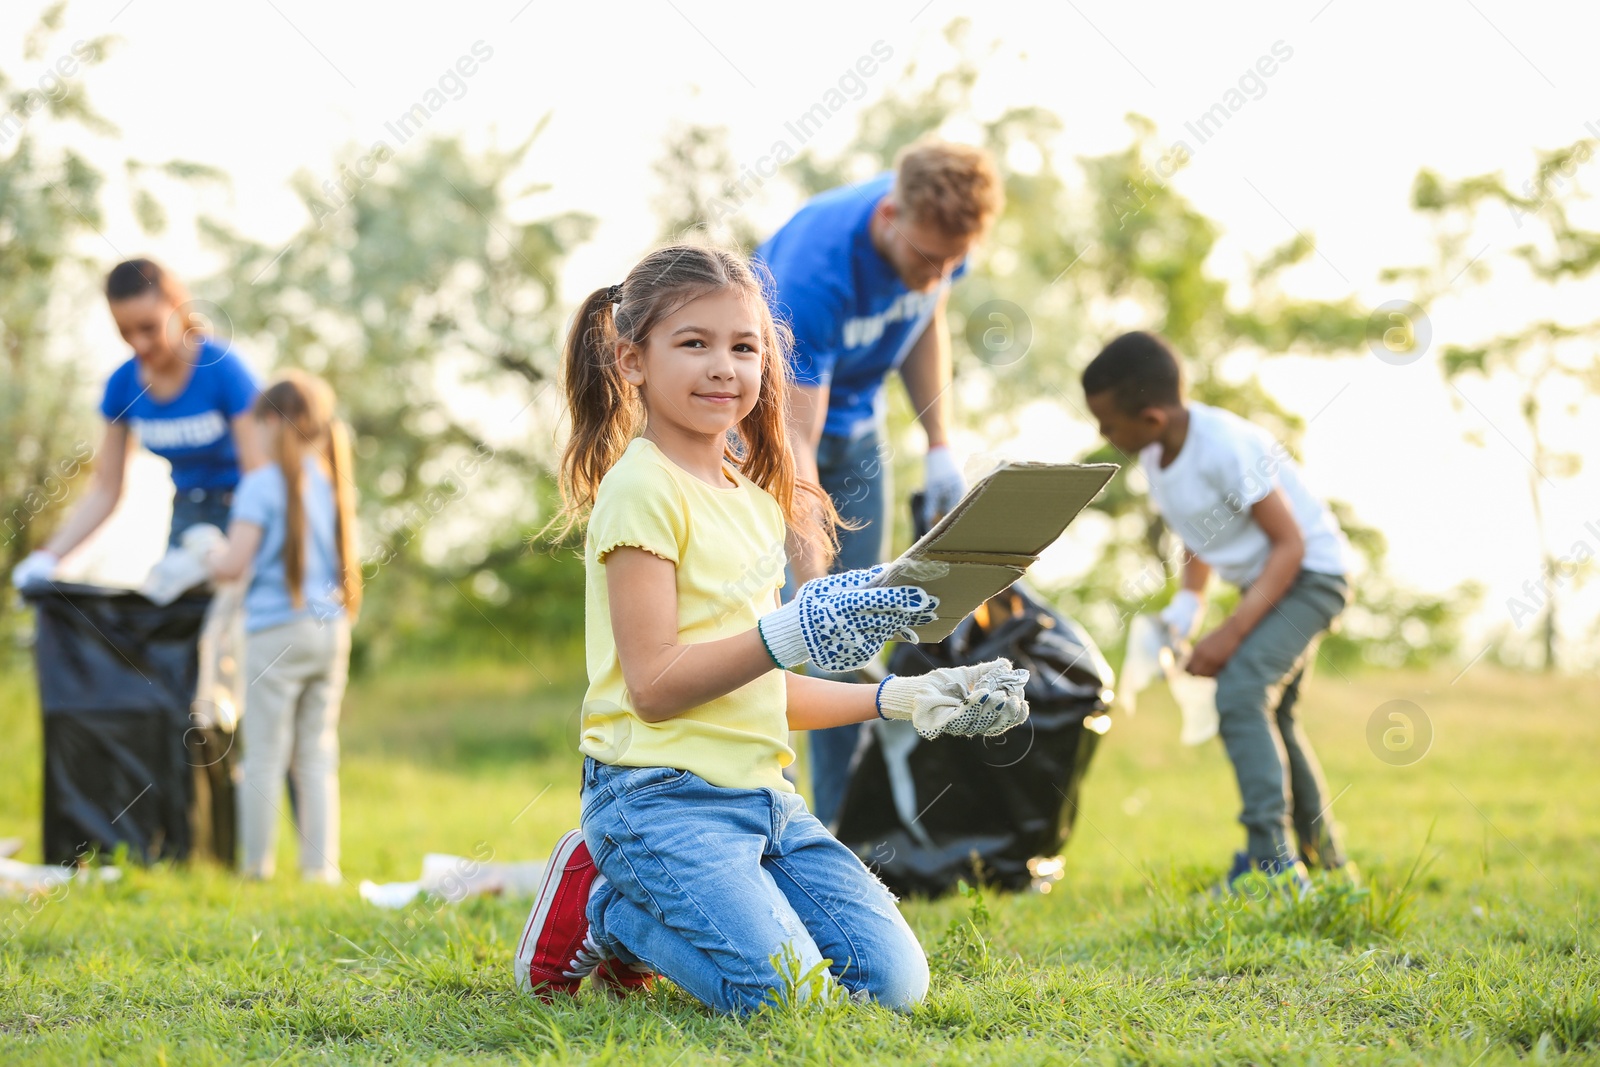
column 1083, row 247
column 1548, row 364
column 437, row 318
column 49, row 208
column 420, row 290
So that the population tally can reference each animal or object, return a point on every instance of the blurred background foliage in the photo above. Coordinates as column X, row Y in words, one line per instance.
column 421, row 289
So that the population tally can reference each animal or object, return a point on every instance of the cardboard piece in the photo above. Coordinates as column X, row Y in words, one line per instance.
column 994, row 534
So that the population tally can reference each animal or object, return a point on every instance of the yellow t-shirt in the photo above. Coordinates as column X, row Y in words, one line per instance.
column 728, row 545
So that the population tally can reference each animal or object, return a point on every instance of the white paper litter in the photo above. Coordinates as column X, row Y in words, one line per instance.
column 1141, row 662
column 1151, row 655
column 455, row 878
column 390, row 894
column 23, row 879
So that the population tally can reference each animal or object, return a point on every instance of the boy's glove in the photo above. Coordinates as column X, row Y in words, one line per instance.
column 942, row 484
column 839, row 624
column 983, row 699
column 1182, row 614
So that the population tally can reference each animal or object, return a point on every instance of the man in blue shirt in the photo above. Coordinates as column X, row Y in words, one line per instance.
column 861, row 275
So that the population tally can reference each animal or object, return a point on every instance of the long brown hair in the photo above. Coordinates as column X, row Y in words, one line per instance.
column 607, row 412
column 305, row 405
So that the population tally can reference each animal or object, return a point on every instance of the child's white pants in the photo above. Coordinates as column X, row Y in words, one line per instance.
column 295, row 677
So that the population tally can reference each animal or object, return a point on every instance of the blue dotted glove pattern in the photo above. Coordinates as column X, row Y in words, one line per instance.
column 845, row 625
column 838, row 583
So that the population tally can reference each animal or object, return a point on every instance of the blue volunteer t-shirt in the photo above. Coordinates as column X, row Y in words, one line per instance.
column 193, row 430
column 261, row 499
column 853, row 319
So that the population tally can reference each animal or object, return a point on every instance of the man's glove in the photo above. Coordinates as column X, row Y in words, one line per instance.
column 839, row 624
column 942, row 485
column 1182, row 614
column 36, row 566
column 986, row 699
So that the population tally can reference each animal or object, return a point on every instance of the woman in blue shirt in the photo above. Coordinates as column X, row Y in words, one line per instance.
column 184, row 394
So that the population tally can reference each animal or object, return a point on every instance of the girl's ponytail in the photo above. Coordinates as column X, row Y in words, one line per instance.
column 605, row 410
column 305, row 404
column 344, row 500
column 291, row 441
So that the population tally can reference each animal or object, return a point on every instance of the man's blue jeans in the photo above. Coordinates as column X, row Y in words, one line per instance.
column 706, row 885
column 855, row 473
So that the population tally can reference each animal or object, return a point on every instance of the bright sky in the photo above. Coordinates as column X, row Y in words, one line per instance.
column 1367, row 95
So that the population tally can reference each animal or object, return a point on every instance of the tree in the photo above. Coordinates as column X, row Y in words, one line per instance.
column 1548, row 364
column 697, row 199
column 437, row 319
column 49, row 205
column 1076, row 248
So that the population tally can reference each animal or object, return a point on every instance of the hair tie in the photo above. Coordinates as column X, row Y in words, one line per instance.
column 614, row 294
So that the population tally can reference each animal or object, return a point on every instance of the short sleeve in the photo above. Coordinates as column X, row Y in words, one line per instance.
column 1243, row 467
column 814, row 318
column 238, row 385
column 259, row 497
column 814, row 313
column 115, row 402
column 638, row 506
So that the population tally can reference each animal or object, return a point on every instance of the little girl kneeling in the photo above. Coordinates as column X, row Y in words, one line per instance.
column 697, row 860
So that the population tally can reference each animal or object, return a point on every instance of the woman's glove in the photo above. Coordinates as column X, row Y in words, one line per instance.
column 983, row 699
column 36, row 566
column 839, row 624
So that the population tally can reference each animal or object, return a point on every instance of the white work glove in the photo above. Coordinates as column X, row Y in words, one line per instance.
column 1182, row 615
column 986, row 699
column 184, row 566
column 839, row 624
column 942, row 485
column 36, row 567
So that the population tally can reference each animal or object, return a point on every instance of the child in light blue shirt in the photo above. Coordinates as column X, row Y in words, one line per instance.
column 293, row 527
column 262, row 500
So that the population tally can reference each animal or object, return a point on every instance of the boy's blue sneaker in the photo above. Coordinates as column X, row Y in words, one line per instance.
column 1246, row 876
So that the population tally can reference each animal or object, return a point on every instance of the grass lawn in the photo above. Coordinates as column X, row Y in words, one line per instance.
column 1488, row 955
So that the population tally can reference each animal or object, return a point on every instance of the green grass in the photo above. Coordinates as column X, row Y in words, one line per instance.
column 1474, row 941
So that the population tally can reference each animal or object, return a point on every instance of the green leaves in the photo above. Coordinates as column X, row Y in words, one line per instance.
column 422, row 289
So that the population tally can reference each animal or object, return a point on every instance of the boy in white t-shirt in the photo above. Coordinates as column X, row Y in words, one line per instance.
column 1237, row 500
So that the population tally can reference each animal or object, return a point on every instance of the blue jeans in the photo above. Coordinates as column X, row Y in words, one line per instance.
column 855, row 473
column 190, row 507
column 1280, row 781
column 706, row 885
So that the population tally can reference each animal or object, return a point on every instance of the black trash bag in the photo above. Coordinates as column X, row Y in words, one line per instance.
column 981, row 808
column 125, row 763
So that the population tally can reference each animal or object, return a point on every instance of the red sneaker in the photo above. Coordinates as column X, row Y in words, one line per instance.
column 620, row 979
column 556, row 952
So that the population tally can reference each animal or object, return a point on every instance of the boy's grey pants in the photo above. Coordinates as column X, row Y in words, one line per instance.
column 1280, row 782
column 296, row 677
